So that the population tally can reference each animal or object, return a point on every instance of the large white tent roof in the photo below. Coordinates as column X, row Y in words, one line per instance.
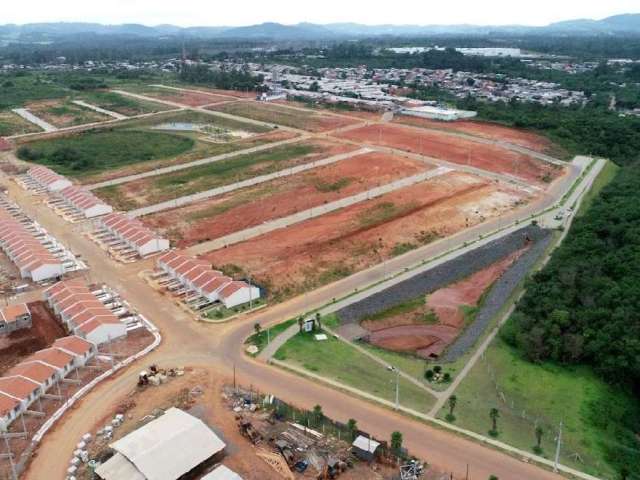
column 164, row 449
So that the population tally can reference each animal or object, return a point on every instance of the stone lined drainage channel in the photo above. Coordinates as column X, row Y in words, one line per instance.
column 310, row 213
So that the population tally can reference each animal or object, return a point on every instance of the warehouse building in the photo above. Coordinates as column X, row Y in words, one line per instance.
column 166, row 448
column 438, row 113
column 83, row 203
column 46, row 179
column 130, row 234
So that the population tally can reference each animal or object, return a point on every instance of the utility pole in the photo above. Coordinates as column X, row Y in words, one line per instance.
column 559, row 442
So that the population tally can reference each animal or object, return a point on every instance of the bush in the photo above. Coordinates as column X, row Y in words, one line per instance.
column 429, row 375
column 450, row 418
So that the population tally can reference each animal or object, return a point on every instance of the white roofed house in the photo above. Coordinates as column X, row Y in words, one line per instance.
column 238, row 293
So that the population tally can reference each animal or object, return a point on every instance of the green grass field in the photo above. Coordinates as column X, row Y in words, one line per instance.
column 602, row 180
column 525, row 394
column 92, row 152
column 16, row 90
column 120, row 104
column 134, row 145
column 205, row 177
column 336, row 360
column 13, row 124
column 260, row 339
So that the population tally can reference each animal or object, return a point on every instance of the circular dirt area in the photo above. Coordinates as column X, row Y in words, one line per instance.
column 424, row 340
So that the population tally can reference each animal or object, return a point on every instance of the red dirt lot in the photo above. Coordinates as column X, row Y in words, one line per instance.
column 321, row 250
column 456, row 150
column 44, row 331
column 246, row 208
column 491, row 131
column 190, row 99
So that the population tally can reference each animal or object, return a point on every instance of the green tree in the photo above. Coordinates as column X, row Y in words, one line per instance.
column 318, row 416
column 396, row 441
column 452, row 401
column 539, row 432
column 318, row 321
column 300, row 323
column 257, row 328
column 352, row 427
column 494, row 415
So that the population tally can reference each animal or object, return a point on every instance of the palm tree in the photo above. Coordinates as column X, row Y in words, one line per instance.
column 494, row 414
column 318, row 323
column 452, row 404
column 258, row 328
column 300, row 323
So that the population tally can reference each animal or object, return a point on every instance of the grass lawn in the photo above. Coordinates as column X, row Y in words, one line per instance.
column 336, row 360
column 272, row 113
column 13, row 124
column 120, row 104
column 260, row 339
column 605, row 176
column 17, row 90
column 89, row 153
column 65, row 113
column 205, row 177
column 546, row 394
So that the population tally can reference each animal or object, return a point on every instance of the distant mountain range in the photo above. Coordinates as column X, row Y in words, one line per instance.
column 618, row 24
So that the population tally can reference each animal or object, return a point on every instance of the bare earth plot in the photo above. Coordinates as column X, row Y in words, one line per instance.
column 456, row 150
column 335, row 245
column 63, row 113
column 153, row 190
column 248, row 207
column 187, row 98
column 490, row 131
column 310, row 120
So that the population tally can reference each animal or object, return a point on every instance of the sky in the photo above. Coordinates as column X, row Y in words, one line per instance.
column 217, row 12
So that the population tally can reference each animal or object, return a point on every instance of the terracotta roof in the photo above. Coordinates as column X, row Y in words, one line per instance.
column 34, row 370
column 12, row 312
column 54, row 357
column 73, row 344
column 7, row 404
column 18, row 387
column 232, row 288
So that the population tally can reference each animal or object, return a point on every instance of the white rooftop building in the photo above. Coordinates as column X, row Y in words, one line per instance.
column 164, row 449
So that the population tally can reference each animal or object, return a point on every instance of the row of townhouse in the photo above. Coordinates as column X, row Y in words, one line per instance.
column 21, row 244
column 198, row 276
column 83, row 313
column 83, row 202
column 27, row 382
column 47, row 179
column 133, row 234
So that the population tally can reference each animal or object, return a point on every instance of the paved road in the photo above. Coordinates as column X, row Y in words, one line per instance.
column 30, row 117
column 313, row 212
column 104, row 111
column 195, row 197
column 195, row 163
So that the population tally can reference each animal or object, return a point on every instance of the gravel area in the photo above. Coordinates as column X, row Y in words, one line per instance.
column 445, row 274
column 498, row 294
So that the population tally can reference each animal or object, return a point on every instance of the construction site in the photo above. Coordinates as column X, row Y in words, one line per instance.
column 218, row 217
